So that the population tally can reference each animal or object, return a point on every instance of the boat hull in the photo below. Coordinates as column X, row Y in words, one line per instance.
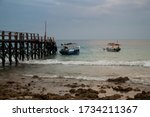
column 113, row 49
column 69, row 52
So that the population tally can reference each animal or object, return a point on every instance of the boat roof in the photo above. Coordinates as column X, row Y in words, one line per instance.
column 113, row 44
column 68, row 44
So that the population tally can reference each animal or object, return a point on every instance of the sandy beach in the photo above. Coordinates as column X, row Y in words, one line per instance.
column 16, row 87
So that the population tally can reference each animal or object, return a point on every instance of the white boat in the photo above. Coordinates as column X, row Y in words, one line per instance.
column 69, row 49
column 113, row 47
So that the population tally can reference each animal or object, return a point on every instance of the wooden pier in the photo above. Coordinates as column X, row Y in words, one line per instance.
column 20, row 46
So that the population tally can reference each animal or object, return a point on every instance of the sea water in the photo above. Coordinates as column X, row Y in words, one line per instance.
column 94, row 63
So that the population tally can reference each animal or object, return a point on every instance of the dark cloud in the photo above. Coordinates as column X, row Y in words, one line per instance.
column 82, row 18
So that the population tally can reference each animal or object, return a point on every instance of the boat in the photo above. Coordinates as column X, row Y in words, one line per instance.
column 69, row 49
column 113, row 47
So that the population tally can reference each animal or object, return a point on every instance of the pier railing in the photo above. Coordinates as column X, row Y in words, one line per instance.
column 15, row 46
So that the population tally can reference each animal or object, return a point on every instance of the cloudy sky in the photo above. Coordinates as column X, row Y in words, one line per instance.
column 78, row 19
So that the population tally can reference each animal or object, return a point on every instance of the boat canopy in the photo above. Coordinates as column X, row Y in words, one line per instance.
column 70, row 45
column 113, row 44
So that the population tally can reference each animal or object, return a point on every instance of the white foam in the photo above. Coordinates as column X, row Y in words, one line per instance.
column 147, row 63
column 69, row 77
column 144, row 79
column 137, row 79
column 90, row 63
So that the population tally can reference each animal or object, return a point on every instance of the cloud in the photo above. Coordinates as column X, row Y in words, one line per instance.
column 82, row 8
column 85, row 18
column 81, row 3
column 86, row 8
column 107, row 6
column 89, row 5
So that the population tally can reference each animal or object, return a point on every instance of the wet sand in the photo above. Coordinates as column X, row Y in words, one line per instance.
column 16, row 87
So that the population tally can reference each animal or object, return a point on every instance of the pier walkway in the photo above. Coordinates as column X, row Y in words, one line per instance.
column 15, row 46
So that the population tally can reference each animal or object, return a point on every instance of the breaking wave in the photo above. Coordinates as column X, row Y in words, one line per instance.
column 90, row 63
column 136, row 79
column 70, row 77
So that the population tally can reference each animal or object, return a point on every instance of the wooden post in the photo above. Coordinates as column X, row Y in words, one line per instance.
column 3, row 49
column 41, row 45
column 31, row 41
column 10, row 47
column 38, row 46
column 23, row 48
column 44, row 47
column 20, row 46
column 51, row 45
column 34, row 46
column 16, row 48
column 27, row 39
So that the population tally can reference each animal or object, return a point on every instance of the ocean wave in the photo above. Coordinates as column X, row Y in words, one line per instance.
column 47, row 76
column 90, row 63
column 143, row 79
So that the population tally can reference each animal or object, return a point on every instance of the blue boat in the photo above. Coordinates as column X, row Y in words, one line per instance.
column 70, row 49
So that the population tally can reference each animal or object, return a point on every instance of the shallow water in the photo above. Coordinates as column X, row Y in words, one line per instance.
column 93, row 63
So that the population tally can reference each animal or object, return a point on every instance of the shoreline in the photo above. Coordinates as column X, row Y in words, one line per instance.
column 16, row 87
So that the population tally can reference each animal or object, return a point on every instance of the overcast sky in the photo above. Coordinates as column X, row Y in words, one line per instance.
column 78, row 19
